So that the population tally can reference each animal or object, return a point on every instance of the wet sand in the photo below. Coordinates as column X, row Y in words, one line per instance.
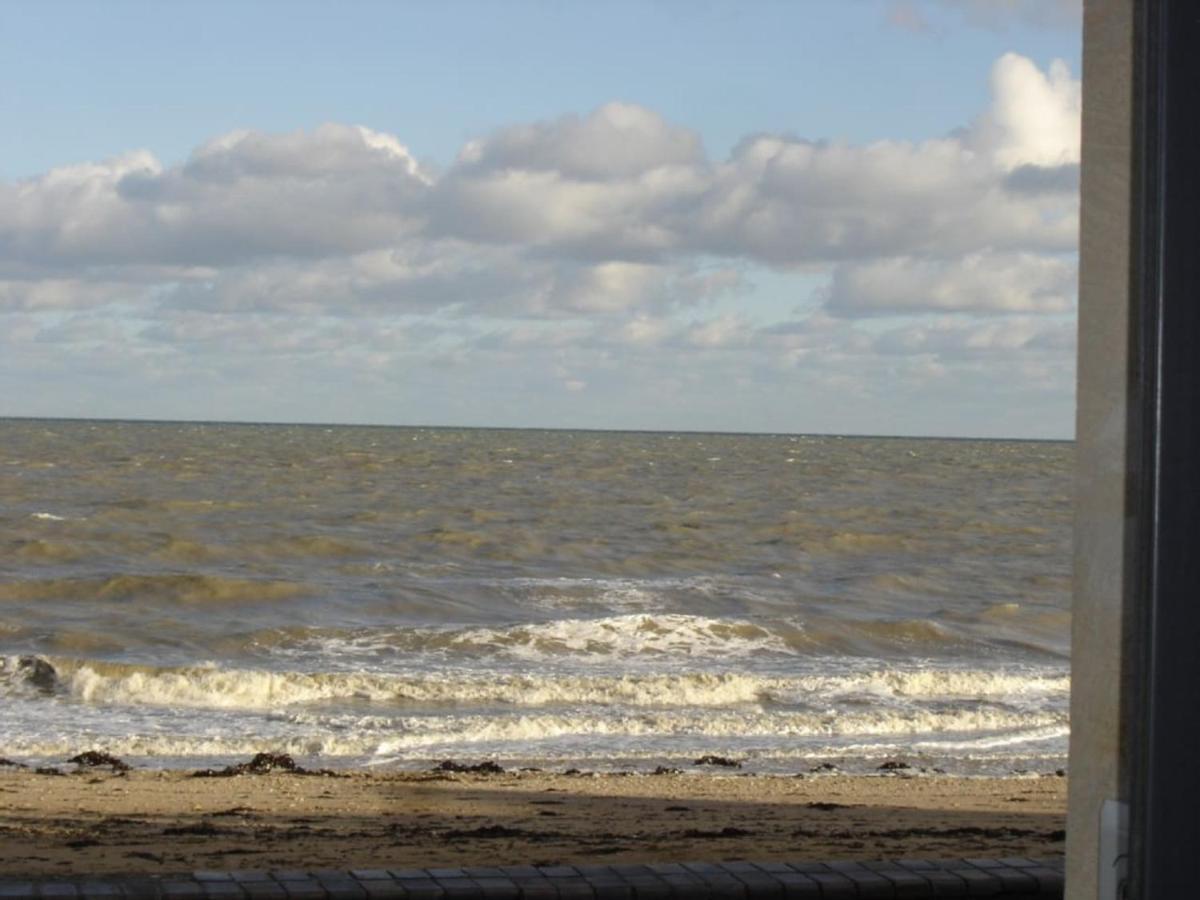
column 99, row 821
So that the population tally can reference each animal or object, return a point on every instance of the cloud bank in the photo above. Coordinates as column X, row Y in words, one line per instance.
column 570, row 252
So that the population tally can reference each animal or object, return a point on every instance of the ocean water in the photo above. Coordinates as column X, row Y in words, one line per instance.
column 190, row 594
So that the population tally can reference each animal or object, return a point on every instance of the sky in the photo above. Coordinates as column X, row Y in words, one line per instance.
column 816, row 216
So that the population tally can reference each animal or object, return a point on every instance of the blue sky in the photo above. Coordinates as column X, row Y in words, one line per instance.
column 807, row 216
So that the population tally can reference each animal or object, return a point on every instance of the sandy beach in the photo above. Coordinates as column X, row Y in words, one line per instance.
column 144, row 821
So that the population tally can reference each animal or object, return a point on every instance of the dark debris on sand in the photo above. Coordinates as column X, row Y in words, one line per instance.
column 711, row 760
column 204, row 829
column 490, row 832
column 727, row 832
column 263, row 764
column 93, row 758
column 487, row 767
column 957, row 832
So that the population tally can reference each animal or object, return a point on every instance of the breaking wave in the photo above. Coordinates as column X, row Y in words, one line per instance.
column 632, row 635
column 214, row 687
column 637, row 637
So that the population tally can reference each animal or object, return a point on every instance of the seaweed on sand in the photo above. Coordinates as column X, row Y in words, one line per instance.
column 263, row 764
column 93, row 758
column 487, row 767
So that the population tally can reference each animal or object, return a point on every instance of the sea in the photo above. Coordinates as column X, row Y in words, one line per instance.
column 190, row 594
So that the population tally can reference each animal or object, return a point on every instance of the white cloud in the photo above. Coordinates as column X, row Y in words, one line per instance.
column 415, row 278
column 50, row 293
column 621, row 286
column 778, row 199
column 240, row 197
column 208, row 334
column 976, row 283
column 952, row 339
column 612, row 194
column 608, row 287
column 725, row 331
column 584, row 252
column 465, row 279
column 1034, row 117
column 635, row 217
column 618, row 140
column 787, row 201
column 644, row 330
column 329, row 149
column 70, row 212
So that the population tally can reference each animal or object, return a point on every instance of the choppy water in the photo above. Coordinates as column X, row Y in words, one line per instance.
column 192, row 593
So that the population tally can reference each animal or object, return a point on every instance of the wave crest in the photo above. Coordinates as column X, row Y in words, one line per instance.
column 213, row 687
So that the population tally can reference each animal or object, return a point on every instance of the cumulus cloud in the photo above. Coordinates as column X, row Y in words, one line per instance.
column 779, row 199
column 331, row 148
column 1034, row 117
column 787, row 201
column 239, row 197
column 607, row 287
column 632, row 219
column 613, row 194
column 574, row 246
column 618, row 140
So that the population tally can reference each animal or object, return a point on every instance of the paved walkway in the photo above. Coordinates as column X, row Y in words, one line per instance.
column 996, row 878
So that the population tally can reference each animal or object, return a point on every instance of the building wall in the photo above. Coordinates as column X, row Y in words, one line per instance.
column 1102, row 516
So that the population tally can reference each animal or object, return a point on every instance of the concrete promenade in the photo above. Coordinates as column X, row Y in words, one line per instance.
column 909, row 878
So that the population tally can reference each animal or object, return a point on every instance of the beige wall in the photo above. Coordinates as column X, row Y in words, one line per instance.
column 1101, row 514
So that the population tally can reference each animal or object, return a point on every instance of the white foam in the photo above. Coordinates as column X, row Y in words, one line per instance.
column 630, row 635
column 1054, row 732
column 619, row 595
column 530, row 741
column 960, row 683
column 212, row 712
column 552, row 733
column 211, row 686
column 722, row 725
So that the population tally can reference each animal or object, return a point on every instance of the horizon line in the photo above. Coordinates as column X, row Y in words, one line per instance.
column 247, row 422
